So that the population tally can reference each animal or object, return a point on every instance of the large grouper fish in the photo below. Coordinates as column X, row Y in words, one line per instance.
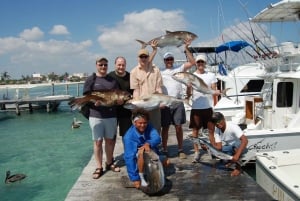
column 107, row 98
column 154, row 173
column 171, row 38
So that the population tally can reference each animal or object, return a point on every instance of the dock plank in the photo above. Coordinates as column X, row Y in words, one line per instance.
column 207, row 180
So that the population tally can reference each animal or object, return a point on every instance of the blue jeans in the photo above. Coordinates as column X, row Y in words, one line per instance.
column 230, row 149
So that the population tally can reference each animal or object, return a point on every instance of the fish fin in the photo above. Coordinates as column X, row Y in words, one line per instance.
column 168, row 32
column 144, row 44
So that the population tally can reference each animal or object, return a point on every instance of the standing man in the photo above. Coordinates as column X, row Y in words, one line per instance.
column 145, row 79
column 102, row 120
column 202, row 111
column 175, row 114
column 123, row 78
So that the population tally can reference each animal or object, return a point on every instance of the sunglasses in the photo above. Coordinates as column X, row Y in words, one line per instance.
column 169, row 59
column 105, row 65
column 200, row 62
column 143, row 57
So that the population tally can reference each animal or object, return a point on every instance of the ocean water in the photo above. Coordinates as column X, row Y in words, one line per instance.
column 44, row 147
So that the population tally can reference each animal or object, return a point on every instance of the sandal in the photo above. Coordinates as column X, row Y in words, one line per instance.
column 98, row 173
column 112, row 167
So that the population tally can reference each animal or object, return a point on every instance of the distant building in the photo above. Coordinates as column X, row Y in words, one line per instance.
column 36, row 77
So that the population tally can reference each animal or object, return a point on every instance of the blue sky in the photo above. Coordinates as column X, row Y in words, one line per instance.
column 44, row 36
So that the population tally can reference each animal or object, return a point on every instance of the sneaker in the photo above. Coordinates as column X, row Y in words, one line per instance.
column 181, row 155
column 196, row 157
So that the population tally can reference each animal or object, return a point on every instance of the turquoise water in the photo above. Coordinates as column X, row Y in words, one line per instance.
column 44, row 147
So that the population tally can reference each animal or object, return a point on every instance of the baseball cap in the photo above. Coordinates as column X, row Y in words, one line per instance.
column 143, row 52
column 168, row 55
column 99, row 59
column 201, row 57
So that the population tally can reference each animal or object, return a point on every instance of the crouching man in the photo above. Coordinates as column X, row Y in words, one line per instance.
column 229, row 138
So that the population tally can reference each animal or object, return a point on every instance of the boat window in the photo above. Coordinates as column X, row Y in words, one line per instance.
column 253, row 86
column 284, row 94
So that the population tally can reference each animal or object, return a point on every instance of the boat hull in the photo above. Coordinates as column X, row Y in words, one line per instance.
column 278, row 173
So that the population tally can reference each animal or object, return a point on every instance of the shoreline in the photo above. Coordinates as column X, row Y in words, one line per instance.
column 28, row 86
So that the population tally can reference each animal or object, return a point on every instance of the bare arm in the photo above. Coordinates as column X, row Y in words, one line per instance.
column 239, row 151
column 191, row 61
column 153, row 53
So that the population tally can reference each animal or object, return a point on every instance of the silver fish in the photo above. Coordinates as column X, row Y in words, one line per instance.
column 214, row 151
column 151, row 102
column 196, row 82
column 175, row 38
column 106, row 97
column 154, row 173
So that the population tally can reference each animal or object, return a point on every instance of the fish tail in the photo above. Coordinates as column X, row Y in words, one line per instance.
column 144, row 44
column 224, row 93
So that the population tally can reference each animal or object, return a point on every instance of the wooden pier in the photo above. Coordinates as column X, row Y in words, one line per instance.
column 48, row 102
column 185, row 181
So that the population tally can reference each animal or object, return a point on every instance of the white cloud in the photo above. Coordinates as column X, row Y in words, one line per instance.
column 144, row 25
column 32, row 34
column 59, row 30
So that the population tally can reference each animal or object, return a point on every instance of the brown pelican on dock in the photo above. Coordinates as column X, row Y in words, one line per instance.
column 13, row 178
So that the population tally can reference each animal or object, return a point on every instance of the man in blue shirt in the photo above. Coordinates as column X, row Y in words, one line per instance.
column 140, row 137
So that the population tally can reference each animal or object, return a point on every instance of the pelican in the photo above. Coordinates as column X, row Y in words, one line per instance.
column 75, row 123
column 13, row 178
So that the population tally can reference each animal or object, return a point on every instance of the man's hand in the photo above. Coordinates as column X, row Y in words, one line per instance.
column 154, row 44
column 137, row 184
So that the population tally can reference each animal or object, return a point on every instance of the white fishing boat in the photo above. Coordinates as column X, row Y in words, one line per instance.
column 277, row 172
column 271, row 118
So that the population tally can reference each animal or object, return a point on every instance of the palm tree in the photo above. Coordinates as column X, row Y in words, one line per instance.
column 5, row 76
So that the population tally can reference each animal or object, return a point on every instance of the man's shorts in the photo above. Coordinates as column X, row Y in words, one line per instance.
column 173, row 115
column 103, row 128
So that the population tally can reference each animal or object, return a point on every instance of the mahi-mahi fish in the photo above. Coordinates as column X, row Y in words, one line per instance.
column 105, row 97
column 154, row 173
column 196, row 82
column 171, row 38
column 152, row 101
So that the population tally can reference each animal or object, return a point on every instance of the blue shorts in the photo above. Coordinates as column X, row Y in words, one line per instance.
column 103, row 128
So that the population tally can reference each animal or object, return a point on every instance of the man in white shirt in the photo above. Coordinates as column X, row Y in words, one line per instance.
column 175, row 114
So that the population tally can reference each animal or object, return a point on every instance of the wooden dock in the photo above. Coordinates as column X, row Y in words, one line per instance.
column 50, row 103
column 207, row 180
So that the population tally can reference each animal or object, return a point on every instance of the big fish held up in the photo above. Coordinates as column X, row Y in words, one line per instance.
column 151, row 102
column 196, row 82
column 175, row 38
column 154, row 173
column 105, row 97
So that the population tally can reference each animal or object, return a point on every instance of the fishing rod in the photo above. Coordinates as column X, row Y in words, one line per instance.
column 258, row 40
column 258, row 48
column 250, row 45
column 253, row 35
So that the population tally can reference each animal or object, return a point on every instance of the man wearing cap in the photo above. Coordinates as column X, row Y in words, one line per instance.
column 145, row 79
column 200, row 117
column 174, row 114
column 229, row 138
column 102, row 120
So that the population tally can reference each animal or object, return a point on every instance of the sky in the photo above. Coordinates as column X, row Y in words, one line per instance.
column 45, row 36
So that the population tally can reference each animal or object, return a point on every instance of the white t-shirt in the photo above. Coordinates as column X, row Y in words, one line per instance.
column 200, row 100
column 231, row 134
column 170, row 86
